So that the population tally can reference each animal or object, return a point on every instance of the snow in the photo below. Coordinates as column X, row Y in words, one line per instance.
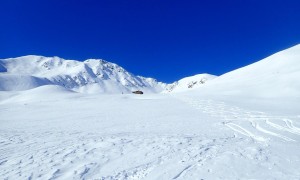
column 89, row 76
column 16, row 82
column 189, row 83
column 275, row 76
column 220, row 130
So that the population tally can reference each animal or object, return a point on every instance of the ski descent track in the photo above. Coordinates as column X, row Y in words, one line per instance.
column 255, row 125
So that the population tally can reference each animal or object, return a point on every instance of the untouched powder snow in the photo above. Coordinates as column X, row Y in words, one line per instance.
column 13, row 82
column 275, row 76
column 221, row 130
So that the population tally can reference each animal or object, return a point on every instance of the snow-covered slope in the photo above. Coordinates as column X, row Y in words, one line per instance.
column 275, row 76
column 14, row 82
column 189, row 83
column 91, row 76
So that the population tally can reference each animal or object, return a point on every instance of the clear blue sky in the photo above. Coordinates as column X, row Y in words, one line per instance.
column 164, row 39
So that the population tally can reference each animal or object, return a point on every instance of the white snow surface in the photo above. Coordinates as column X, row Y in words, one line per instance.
column 275, row 76
column 211, row 132
column 89, row 76
column 15, row 82
column 189, row 83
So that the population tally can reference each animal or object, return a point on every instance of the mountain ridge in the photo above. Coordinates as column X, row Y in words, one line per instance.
column 90, row 76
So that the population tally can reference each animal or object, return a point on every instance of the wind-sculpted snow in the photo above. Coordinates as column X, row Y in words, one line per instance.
column 77, row 155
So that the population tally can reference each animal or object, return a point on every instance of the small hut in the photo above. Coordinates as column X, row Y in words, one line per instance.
column 137, row 92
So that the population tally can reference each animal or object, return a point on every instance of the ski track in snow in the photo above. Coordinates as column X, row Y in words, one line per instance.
column 255, row 125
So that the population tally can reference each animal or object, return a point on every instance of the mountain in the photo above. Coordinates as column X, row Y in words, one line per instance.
column 275, row 76
column 189, row 83
column 89, row 76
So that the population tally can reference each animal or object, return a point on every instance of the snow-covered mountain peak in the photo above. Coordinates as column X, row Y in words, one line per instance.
column 189, row 83
column 91, row 75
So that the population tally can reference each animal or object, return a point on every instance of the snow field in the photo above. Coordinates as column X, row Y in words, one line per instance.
column 66, row 135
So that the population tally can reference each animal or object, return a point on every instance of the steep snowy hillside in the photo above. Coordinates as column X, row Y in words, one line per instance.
column 275, row 76
column 189, row 83
column 90, row 76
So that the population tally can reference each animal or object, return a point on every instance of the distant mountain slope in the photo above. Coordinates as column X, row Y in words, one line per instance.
column 13, row 82
column 189, row 83
column 91, row 76
column 275, row 76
